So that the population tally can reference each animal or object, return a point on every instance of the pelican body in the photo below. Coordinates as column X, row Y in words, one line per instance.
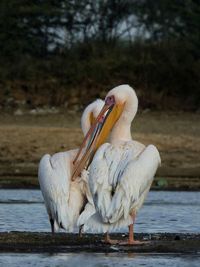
column 64, row 199
column 122, row 170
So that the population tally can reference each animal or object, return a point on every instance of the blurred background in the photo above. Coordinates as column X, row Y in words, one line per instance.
column 67, row 52
column 57, row 56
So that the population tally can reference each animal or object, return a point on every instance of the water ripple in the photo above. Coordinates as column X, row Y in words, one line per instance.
column 23, row 210
column 97, row 260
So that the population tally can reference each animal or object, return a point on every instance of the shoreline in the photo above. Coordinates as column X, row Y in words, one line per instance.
column 35, row 242
column 159, row 183
column 23, row 175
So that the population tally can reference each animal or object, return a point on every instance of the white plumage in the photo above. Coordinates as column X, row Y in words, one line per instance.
column 119, row 181
column 64, row 199
column 121, row 172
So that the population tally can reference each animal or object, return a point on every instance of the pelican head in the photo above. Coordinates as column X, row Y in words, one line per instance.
column 90, row 114
column 120, row 103
column 123, row 104
column 125, row 100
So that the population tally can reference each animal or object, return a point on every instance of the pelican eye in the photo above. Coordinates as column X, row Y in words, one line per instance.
column 110, row 100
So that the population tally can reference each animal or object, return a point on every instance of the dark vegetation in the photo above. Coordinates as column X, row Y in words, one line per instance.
column 67, row 52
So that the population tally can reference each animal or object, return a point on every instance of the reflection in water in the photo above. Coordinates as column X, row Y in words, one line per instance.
column 94, row 259
column 23, row 210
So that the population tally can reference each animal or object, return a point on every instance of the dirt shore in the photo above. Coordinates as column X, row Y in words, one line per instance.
column 45, row 242
column 25, row 138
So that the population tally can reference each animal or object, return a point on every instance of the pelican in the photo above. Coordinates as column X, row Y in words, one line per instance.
column 64, row 198
column 121, row 172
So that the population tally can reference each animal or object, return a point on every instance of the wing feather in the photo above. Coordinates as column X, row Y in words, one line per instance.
column 98, row 181
column 134, row 182
column 54, row 176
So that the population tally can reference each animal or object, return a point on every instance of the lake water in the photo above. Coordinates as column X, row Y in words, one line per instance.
column 97, row 260
column 163, row 211
column 23, row 210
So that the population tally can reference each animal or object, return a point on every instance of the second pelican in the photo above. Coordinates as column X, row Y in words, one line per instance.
column 64, row 198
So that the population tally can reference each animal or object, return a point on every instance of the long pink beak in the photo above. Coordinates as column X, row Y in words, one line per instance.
column 81, row 164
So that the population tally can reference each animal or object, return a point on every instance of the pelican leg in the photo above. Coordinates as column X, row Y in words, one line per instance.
column 108, row 240
column 52, row 226
column 131, row 240
column 80, row 231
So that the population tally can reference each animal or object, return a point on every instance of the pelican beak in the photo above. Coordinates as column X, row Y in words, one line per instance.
column 97, row 134
column 92, row 141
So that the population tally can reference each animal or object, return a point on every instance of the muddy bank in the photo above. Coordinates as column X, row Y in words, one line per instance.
column 25, row 138
column 167, row 183
column 24, row 176
column 45, row 242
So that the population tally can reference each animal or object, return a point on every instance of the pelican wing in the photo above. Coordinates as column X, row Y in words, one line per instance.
column 133, row 184
column 106, row 171
column 98, row 181
column 54, row 176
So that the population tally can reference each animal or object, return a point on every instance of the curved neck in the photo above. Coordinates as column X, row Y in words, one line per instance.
column 121, row 132
column 122, row 128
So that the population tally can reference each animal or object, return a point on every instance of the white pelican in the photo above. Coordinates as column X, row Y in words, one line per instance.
column 121, row 171
column 64, row 198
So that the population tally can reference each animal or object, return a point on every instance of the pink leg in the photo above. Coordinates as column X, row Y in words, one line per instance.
column 108, row 240
column 131, row 240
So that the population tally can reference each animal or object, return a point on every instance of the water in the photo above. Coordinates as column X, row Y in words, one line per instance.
column 23, row 210
column 97, row 260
